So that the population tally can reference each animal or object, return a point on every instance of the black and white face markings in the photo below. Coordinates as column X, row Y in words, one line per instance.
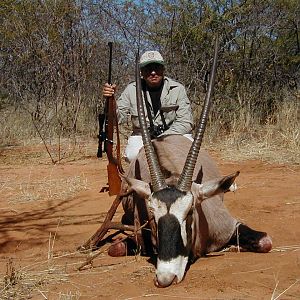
column 170, row 208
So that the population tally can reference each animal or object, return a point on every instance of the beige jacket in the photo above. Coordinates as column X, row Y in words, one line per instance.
column 174, row 104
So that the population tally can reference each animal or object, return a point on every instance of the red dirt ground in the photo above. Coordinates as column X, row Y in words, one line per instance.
column 48, row 211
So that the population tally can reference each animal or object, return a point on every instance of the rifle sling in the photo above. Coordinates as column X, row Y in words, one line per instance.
column 150, row 117
column 112, row 126
column 118, row 144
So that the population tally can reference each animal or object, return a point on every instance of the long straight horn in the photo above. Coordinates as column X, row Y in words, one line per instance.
column 185, row 179
column 157, row 178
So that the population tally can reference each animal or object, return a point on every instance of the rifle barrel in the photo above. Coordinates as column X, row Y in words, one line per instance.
column 110, row 62
column 102, row 117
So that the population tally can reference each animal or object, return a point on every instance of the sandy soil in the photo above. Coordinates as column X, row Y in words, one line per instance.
column 48, row 211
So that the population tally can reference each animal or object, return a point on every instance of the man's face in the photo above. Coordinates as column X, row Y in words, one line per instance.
column 153, row 74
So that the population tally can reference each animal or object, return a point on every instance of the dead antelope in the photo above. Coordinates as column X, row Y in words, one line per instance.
column 185, row 198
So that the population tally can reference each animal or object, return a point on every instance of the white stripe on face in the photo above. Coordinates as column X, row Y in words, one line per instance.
column 168, row 269
column 158, row 208
column 182, row 206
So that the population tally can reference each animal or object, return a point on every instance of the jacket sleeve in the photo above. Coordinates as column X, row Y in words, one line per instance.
column 123, row 106
column 183, row 122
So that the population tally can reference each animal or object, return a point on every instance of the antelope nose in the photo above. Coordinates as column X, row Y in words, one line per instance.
column 164, row 279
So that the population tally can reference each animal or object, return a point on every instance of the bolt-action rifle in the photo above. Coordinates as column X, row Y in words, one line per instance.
column 108, row 126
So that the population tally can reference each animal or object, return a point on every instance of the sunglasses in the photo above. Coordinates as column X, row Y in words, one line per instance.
column 153, row 67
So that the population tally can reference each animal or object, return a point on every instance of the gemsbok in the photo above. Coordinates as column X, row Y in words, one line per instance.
column 179, row 186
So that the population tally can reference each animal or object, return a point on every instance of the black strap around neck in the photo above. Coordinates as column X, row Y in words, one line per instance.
column 148, row 107
column 150, row 117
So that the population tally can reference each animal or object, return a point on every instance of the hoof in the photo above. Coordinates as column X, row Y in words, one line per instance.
column 265, row 244
column 118, row 248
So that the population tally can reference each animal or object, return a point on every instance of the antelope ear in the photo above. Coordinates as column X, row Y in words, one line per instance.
column 214, row 187
column 142, row 188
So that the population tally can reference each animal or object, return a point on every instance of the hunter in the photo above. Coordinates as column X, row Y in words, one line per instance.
column 167, row 105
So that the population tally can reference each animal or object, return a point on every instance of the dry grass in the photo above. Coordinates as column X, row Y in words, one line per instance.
column 274, row 296
column 69, row 296
column 39, row 278
column 15, row 128
column 286, row 248
column 19, row 283
column 238, row 148
column 32, row 151
column 278, row 140
column 50, row 187
column 44, row 142
column 23, row 282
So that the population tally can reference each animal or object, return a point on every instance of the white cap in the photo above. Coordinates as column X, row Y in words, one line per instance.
column 150, row 57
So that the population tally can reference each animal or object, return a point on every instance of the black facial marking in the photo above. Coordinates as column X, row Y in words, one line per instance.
column 170, row 243
column 168, row 195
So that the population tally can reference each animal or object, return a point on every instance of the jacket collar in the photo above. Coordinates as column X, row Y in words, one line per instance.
column 168, row 85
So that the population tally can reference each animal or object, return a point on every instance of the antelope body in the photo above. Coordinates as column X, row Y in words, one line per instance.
column 191, row 224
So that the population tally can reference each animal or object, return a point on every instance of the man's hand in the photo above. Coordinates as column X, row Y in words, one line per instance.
column 108, row 90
